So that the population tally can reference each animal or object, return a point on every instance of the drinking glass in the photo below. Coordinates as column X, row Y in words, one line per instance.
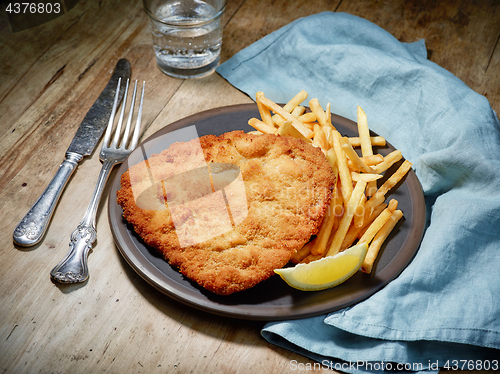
column 187, row 35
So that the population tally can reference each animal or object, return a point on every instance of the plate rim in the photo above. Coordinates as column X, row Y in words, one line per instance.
column 151, row 273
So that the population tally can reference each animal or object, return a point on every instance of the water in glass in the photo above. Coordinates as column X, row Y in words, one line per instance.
column 187, row 38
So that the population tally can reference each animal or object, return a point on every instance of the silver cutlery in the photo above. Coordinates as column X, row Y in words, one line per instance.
column 33, row 225
column 73, row 268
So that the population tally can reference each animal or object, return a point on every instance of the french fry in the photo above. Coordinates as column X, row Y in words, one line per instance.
column 344, row 173
column 265, row 115
column 374, row 140
column 371, row 189
column 331, row 137
column 379, row 196
column 371, row 217
column 261, row 126
column 355, row 233
column 255, row 132
column 346, row 219
column 321, row 240
column 338, row 212
column 395, row 178
column 373, row 159
column 364, row 133
column 290, row 107
column 359, row 214
column 388, row 161
column 309, row 125
column 393, row 205
column 287, row 116
column 286, row 129
column 379, row 239
column 298, row 111
column 369, row 177
column 355, row 214
column 328, row 135
column 329, row 116
column 332, row 160
column 374, row 214
column 320, row 138
column 375, row 226
column 278, row 120
column 373, row 202
column 318, row 111
column 368, row 160
column 350, row 237
column 366, row 144
column 353, row 156
column 311, row 258
column 295, row 101
column 302, row 253
column 307, row 117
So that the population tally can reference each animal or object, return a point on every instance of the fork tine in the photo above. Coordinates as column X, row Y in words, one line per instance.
column 120, row 120
column 129, row 121
column 107, row 135
column 135, row 137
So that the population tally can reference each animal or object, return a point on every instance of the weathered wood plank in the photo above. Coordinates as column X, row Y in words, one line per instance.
column 117, row 322
column 256, row 19
column 460, row 36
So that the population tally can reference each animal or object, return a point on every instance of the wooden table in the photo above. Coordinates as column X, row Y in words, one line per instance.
column 49, row 77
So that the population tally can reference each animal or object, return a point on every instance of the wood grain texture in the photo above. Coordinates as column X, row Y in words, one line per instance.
column 50, row 76
column 460, row 36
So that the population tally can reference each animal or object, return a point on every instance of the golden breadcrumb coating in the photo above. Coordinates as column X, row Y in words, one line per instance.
column 227, row 210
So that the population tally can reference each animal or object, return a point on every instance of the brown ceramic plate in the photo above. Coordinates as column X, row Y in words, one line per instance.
column 271, row 299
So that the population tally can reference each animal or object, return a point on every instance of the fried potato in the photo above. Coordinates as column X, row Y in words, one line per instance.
column 364, row 133
column 295, row 101
column 318, row 111
column 354, row 233
column 344, row 173
column 395, row 178
column 261, row 126
column 346, row 220
column 307, row 117
column 388, row 161
column 287, row 129
column 368, row 160
column 379, row 240
column 374, row 140
column 353, row 156
column 264, row 112
column 301, row 253
column 359, row 214
column 375, row 226
column 357, row 209
column 369, row 177
column 287, row 116
column 298, row 111
column 320, row 138
column 321, row 240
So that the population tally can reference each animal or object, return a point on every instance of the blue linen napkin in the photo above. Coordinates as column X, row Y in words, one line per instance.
column 444, row 307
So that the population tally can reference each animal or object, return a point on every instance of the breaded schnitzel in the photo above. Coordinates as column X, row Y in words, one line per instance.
column 228, row 210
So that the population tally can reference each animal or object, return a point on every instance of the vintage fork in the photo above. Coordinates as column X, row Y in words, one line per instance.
column 73, row 268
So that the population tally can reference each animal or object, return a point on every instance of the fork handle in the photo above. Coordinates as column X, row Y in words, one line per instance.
column 73, row 268
column 31, row 228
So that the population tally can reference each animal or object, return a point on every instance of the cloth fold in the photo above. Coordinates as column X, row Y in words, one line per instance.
column 444, row 306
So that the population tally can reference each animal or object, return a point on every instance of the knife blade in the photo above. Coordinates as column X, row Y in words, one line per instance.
column 33, row 225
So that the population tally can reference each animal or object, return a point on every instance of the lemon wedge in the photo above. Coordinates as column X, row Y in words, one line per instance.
column 327, row 272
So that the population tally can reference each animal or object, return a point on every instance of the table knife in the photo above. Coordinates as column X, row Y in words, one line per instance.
column 34, row 224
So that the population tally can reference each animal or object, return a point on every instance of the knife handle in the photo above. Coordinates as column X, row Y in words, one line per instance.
column 34, row 224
